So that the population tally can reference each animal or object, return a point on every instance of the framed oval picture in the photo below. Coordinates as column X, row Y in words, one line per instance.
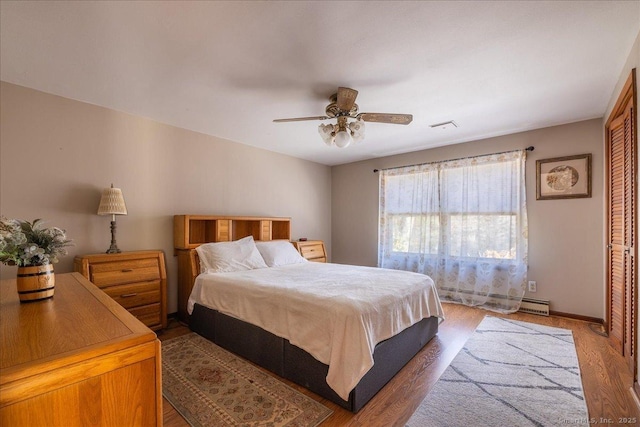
column 563, row 177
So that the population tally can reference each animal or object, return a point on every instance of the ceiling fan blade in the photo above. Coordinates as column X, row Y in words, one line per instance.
column 346, row 98
column 398, row 119
column 300, row 119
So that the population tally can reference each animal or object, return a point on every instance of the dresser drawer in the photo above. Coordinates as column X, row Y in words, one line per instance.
column 135, row 294
column 122, row 272
column 148, row 314
column 311, row 251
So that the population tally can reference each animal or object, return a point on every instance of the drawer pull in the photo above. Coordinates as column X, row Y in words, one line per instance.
column 127, row 270
column 129, row 295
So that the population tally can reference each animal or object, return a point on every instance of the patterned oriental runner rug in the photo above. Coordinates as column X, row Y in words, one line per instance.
column 509, row 373
column 209, row 386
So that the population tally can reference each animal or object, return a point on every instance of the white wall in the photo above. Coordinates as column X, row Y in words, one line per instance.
column 57, row 154
column 565, row 236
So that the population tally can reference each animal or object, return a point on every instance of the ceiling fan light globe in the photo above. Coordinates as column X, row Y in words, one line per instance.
column 326, row 132
column 357, row 130
column 343, row 139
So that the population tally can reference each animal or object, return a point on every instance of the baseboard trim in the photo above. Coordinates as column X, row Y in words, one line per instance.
column 577, row 317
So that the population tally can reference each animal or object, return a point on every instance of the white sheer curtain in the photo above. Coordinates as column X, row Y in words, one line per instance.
column 461, row 222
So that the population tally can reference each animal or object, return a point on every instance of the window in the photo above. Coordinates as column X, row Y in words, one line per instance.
column 461, row 222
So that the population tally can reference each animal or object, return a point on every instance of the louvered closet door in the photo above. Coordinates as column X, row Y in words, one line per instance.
column 621, row 266
column 629, row 234
column 616, row 267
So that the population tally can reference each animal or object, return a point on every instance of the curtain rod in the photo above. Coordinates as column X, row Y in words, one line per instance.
column 529, row 148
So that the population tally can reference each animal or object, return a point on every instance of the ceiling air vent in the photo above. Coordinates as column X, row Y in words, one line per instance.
column 445, row 125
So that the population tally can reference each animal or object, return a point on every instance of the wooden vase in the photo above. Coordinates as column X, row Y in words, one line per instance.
column 35, row 283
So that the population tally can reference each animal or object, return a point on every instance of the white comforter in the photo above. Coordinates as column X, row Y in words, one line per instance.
column 337, row 313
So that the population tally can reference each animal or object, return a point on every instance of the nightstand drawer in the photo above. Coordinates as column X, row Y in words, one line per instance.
column 122, row 272
column 311, row 251
column 148, row 314
column 135, row 294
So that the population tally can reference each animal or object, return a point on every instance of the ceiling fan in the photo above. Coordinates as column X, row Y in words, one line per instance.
column 343, row 107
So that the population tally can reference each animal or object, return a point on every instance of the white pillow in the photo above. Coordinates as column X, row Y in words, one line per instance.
column 224, row 257
column 279, row 252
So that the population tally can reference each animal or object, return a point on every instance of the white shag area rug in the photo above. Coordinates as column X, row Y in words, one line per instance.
column 509, row 373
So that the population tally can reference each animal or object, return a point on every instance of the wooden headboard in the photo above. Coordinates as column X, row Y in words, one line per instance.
column 191, row 231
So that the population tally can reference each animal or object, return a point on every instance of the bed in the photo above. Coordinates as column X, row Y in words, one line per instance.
column 293, row 317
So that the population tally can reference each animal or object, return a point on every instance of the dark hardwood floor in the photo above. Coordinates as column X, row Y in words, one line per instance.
column 605, row 376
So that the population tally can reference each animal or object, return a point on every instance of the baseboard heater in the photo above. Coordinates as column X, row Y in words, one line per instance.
column 535, row 306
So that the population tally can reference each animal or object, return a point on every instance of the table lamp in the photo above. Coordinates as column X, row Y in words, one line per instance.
column 112, row 203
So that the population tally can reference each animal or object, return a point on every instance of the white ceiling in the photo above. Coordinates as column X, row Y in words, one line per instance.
column 229, row 68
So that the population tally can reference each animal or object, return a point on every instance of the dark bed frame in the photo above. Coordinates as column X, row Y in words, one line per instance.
column 281, row 357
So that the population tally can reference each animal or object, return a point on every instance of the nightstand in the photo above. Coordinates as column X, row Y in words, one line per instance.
column 313, row 250
column 136, row 280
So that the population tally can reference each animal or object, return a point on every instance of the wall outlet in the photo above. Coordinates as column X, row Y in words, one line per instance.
column 532, row 286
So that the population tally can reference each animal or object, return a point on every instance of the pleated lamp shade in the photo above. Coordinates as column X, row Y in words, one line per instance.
column 112, row 202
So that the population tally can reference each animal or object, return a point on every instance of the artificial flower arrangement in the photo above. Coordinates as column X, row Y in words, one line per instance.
column 25, row 243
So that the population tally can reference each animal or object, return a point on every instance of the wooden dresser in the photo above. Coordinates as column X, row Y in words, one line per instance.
column 136, row 280
column 77, row 359
column 313, row 250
